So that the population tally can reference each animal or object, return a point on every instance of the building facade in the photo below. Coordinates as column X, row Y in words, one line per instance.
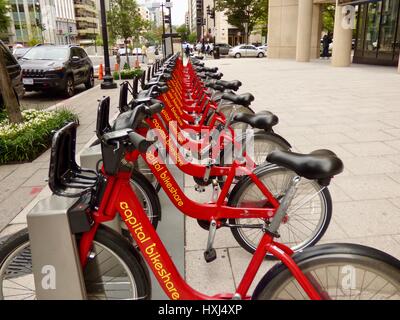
column 42, row 21
column 145, row 13
column 370, row 27
column 155, row 14
column 65, row 22
column 87, row 21
column 218, row 27
column 26, row 22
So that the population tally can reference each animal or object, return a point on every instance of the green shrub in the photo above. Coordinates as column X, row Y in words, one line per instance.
column 126, row 66
column 3, row 115
column 116, row 75
column 26, row 141
column 130, row 74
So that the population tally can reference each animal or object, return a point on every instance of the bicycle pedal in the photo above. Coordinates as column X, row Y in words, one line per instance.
column 210, row 255
column 199, row 188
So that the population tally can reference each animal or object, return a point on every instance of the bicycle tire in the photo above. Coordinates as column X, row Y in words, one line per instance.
column 226, row 111
column 147, row 190
column 266, row 173
column 278, row 282
column 105, row 237
column 266, row 142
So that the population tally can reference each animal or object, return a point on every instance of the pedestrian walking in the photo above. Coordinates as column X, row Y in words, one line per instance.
column 187, row 50
column 326, row 41
column 144, row 53
column 118, row 58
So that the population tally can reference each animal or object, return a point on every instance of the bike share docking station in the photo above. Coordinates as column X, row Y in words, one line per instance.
column 55, row 256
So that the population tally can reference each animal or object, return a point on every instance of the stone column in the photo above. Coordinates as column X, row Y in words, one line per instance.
column 304, row 29
column 399, row 66
column 342, row 36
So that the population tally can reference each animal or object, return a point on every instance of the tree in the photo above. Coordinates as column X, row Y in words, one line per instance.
column 183, row 32
column 124, row 21
column 9, row 96
column 192, row 38
column 328, row 17
column 244, row 14
column 4, row 18
column 153, row 34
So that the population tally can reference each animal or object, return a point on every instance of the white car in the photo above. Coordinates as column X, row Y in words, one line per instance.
column 246, row 50
column 137, row 51
column 122, row 51
column 263, row 48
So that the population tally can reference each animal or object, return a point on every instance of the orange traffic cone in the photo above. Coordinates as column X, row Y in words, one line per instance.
column 101, row 72
column 116, row 67
column 137, row 64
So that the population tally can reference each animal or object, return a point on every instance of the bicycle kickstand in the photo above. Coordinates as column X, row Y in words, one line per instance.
column 210, row 254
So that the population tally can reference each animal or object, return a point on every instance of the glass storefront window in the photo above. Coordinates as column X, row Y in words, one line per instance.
column 372, row 29
column 360, row 28
column 388, row 29
column 378, row 30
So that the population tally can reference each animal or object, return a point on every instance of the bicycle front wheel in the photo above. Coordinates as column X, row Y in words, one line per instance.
column 113, row 270
column 307, row 217
column 337, row 272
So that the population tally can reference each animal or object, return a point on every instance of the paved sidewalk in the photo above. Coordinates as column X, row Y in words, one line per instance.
column 353, row 111
column 22, row 183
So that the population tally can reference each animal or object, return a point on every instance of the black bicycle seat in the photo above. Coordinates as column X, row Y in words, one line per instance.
column 319, row 165
column 244, row 99
column 265, row 120
column 214, row 86
column 232, row 85
column 130, row 119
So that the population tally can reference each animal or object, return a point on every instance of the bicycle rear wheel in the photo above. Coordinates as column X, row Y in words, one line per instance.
column 337, row 271
column 307, row 218
column 114, row 269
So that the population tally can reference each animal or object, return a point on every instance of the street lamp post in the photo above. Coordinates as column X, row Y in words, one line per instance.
column 215, row 27
column 108, row 82
column 170, row 23
column 163, row 28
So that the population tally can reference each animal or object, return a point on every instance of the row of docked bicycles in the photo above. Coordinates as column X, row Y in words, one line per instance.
column 276, row 202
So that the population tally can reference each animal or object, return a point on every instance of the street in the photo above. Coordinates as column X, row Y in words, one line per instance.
column 44, row 99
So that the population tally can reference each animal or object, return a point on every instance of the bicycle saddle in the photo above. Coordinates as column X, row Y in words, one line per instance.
column 217, row 76
column 232, row 85
column 198, row 63
column 214, row 86
column 244, row 99
column 319, row 165
column 265, row 120
column 130, row 119
column 207, row 69
column 146, row 95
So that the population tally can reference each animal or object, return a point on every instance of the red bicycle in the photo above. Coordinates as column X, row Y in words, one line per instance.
column 243, row 208
column 114, row 269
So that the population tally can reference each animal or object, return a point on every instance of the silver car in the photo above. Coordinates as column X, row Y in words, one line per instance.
column 246, row 50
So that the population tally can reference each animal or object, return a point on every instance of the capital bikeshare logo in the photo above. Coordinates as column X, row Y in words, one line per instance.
column 150, row 251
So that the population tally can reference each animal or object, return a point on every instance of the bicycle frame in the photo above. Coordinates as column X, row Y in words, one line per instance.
column 119, row 197
column 208, row 211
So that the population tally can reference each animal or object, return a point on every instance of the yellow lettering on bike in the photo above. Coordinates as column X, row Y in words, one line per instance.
column 151, row 253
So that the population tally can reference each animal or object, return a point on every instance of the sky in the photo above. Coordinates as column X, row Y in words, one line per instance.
column 179, row 8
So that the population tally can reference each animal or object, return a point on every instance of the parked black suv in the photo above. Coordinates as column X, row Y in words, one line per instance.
column 14, row 70
column 62, row 68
